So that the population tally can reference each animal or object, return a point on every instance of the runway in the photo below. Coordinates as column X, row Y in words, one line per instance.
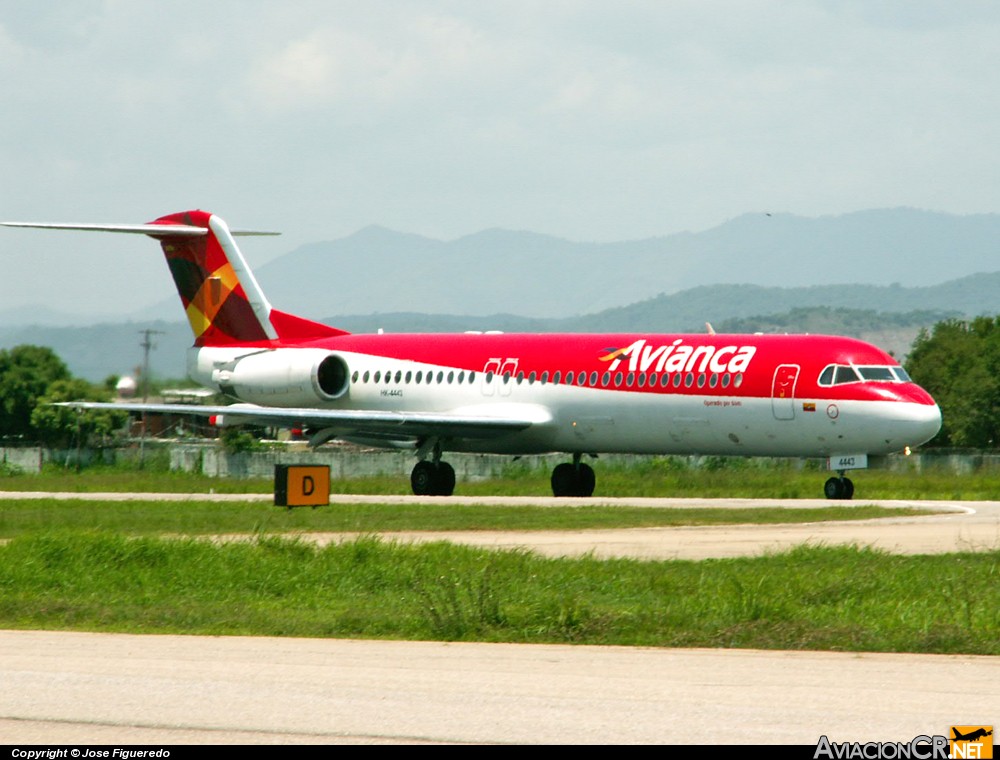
column 66, row 689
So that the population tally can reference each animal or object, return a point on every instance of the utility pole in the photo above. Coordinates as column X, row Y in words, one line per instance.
column 147, row 345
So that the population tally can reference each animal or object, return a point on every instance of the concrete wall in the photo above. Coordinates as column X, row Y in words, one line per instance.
column 352, row 462
column 349, row 462
column 22, row 460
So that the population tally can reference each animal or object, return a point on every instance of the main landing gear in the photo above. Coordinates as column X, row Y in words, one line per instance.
column 575, row 479
column 432, row 477
column 839, row 487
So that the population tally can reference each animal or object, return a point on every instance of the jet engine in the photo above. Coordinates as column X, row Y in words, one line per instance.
column 279, row 377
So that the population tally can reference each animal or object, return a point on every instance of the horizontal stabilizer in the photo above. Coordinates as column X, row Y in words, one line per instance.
column 154, row 230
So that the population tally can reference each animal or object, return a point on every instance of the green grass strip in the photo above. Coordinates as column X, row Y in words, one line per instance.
column 25, row 516
column 846, row 598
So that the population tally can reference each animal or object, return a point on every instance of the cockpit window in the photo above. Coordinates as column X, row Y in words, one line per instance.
column 840, row 374
column 845, row 375
column 881, row 374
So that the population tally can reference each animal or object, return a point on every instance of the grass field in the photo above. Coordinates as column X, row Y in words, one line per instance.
column 134, row 566
column 19, row 517
column 818, row 598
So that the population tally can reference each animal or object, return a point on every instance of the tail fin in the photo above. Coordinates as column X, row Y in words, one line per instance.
column 222, row 299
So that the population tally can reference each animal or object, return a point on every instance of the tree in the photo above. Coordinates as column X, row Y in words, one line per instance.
column 958, row 363
column 64, row 425
column 25, row 374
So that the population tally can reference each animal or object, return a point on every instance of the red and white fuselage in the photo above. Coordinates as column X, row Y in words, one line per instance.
column 650, row 394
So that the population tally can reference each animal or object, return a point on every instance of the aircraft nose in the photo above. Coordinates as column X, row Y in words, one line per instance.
column 923, row 422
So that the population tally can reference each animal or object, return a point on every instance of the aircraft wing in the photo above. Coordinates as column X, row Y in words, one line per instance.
column 343, row 423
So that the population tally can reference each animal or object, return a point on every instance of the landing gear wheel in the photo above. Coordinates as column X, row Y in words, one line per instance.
column 422, row 478
column 838, row 488
column 445, row 482
column 563, row 477
column 586, row 480
column 570, row 480
column 432, row 479
column 848, row 491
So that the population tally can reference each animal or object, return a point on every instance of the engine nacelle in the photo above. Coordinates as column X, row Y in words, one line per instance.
column 281, row 377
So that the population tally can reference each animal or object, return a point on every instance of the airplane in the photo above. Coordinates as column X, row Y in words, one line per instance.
column 979, row 733
column 519, row 394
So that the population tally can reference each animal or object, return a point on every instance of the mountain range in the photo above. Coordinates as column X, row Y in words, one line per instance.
column 880, row 261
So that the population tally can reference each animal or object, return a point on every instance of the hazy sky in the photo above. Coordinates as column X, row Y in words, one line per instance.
column 590, row 120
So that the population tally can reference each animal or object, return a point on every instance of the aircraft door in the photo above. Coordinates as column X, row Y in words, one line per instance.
column 507, row 372
column 489, row 376
column 783, row 391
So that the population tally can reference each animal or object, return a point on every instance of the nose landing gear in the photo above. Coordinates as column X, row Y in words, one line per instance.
column 839, row 487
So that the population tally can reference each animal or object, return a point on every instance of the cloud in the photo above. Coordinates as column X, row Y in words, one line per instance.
column 586, row 119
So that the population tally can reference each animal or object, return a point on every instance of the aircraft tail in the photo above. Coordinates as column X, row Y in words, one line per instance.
column 222, row 299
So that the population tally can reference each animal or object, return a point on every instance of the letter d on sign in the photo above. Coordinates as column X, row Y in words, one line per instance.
column 301, row 485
